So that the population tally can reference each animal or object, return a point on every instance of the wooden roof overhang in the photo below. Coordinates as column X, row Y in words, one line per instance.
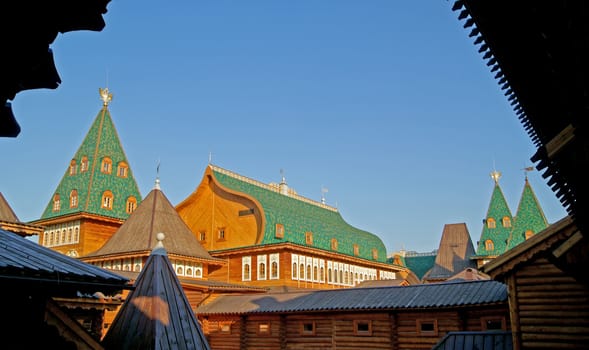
column 538, row 51
column 304, row 250
column 78, row 216
column 558, row 243
column 27, row 28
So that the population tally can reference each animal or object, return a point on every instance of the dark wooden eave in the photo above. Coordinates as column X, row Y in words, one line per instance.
column 538, row 51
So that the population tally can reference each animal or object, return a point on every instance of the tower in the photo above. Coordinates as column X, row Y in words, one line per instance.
column 497, row 225
column 529, row 218
column 96, row 193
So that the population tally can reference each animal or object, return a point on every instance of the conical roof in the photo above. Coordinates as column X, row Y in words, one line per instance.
column 529, row 218
column 154, row 215
column 6, row 212
column 99, row 166
column 156, row 314
column 495, row 229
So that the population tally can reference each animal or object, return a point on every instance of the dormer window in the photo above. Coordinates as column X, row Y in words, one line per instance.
column 221, row 234
column 356, row 250
column 491, row 223
column 334, row 244
column 489, row 245
column 122, row 169
column 73, row 167
column 131, row 204
column 106, row 166
column 84, row 164
column 279, row 231
column 56, row 202
column 107, row 200
column 374, row 254
column 73, row 198
column 309, row 238
column 528, row 234
column 506, row 221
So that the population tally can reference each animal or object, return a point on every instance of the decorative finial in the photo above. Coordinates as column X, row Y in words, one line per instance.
column 160, row 237
column 157, row 176
column 210, row 157
column 495, row 175
column 105, row 96
column 528, row 169
column 323, row 192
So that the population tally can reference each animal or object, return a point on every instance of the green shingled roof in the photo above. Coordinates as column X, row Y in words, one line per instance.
column 420, row 264
column 529, row 217
column 101, row 141
column 300, row 215
column 499, row 235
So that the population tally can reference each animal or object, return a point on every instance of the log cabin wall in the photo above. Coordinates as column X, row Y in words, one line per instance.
column 549, row 309
column 350, row 331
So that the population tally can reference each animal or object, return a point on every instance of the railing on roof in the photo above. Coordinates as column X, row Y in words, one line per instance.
column 271, row 188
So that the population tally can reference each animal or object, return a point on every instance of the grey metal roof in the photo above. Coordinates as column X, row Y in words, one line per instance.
column 157, row 314
column 489, row 340
column 422, row 296
column 25, row 261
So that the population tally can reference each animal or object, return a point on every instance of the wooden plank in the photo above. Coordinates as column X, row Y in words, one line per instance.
column 568, row 244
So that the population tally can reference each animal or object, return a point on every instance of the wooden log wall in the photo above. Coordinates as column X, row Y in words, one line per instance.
column 549, row 309
column 388, row 329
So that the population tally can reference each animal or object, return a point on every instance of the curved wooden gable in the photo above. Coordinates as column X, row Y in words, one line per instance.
column 251, row 211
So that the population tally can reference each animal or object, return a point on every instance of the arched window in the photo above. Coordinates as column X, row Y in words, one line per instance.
column 302, row 271
column 491, row 223
column 329, row 275
column 56, row 202
column 294, row 270
column 179, row 270
column 322, row 274
column 106, row 166
column 107, row 199
column 84, row 164
column 489, row 245
column 308, row 276
column 262, row 271
column 315, row 273
column 506, row 221
column 246, row 273
column 68, row 237
column 122, row 169
column 74, row 199
column 76, row 235
column 131, row 204
column 72, row 167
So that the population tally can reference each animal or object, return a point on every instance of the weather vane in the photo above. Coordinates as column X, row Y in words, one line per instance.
column 495, row 175
column 105, row 96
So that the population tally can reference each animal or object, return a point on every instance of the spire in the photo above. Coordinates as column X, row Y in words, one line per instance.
column 157, row 177
column 497, row 224
column 98, row 178
column 529, row 218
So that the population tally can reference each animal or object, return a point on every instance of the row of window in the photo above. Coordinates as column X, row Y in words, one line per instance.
column 107, row 201
column 423, row 327
column 62, row 234
column 305, row 268
column 489, row 245
column 105, row 167
column 505, row 222
column 222, row 235
column 182, row 268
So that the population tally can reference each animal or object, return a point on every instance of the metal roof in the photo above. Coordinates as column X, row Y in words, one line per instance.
column 422, row 296
column 25, row 261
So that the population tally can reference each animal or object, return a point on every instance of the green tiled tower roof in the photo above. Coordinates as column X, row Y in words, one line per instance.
column 101, row 141
column 529, row 217
column 299, row 215
column 499, row 235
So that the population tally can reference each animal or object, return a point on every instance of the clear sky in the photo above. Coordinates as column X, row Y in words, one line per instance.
column 386, row 104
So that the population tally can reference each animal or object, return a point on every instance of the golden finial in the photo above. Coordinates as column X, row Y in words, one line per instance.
column 495, row 175
column 105, row 96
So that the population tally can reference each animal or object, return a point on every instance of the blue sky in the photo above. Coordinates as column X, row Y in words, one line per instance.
column 386, row 104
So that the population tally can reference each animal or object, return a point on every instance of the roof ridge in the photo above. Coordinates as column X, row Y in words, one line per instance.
column 270, row 187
